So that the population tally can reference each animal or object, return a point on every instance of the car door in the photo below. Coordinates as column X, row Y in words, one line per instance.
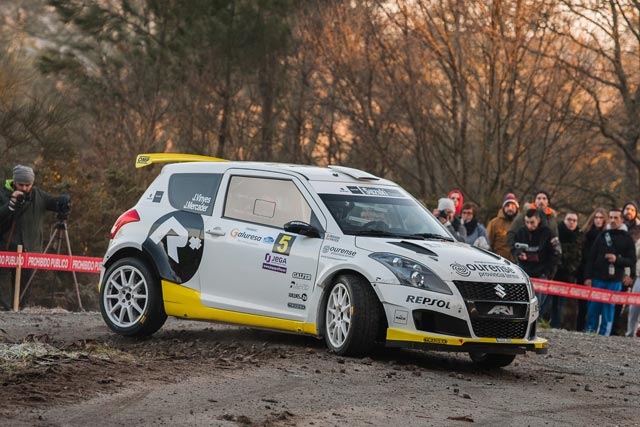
column 251, row 265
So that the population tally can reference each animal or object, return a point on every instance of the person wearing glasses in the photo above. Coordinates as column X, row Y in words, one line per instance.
column 571, row 240
column 612, row 251
column 591, row 229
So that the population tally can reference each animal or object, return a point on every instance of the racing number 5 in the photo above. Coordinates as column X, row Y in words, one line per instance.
column 283, row 244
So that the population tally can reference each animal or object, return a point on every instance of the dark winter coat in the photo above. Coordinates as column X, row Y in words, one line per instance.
column 29, row 219
column 619, row 243
column 542, row 256
column 571, row 261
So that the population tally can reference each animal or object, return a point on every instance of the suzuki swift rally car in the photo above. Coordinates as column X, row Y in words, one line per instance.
column 331, row 252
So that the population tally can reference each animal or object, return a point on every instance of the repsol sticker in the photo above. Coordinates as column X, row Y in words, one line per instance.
column 428, row 301
column 181, row 236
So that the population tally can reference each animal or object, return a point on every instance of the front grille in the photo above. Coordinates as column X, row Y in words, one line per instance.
column 493, row 328
column 482, row 291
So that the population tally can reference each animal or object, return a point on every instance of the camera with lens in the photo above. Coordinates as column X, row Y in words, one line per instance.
column 63, row 207
column 21, row 199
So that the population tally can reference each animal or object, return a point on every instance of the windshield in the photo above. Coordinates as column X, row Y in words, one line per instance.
column 383, row 216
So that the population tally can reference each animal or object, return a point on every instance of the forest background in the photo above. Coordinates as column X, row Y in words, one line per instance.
column 488, row 97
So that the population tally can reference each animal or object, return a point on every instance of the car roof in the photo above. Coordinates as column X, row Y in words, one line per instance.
column 311, row 173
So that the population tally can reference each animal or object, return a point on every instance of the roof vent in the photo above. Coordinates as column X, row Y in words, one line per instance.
column 354, row 173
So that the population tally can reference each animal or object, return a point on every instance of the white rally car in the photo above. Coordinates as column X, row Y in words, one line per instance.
column 331, row 252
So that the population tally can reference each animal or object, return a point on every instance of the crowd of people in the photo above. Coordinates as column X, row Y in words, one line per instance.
column 603, row 253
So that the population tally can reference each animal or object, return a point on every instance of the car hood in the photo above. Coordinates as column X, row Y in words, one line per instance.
column 449, row 260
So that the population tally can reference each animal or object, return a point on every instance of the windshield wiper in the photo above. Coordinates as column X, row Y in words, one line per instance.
column 376, row 233
column 432, row 236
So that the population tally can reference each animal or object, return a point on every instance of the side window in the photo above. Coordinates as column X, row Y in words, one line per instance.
column 272, row 202
column 194, row 192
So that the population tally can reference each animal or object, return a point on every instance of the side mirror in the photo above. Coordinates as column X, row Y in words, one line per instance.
column 302, row 228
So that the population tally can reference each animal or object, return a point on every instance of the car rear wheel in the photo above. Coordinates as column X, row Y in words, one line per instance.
column 131, row 299
column 352, row 316
column 492, row 360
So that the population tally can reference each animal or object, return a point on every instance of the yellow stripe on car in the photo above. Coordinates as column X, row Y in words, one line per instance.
column 180, row 301
column 394, row 334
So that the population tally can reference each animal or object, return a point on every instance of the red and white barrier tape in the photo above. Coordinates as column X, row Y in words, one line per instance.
column 80, row 264
column 552, row 287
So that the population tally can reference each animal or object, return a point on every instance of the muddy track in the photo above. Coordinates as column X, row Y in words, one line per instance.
column 67, row 369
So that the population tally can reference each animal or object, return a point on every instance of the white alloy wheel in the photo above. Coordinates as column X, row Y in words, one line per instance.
column 338, row 316
column 125, row 296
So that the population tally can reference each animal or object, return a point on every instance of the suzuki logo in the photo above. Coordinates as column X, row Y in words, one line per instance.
column 500, row 291
column 501, row 309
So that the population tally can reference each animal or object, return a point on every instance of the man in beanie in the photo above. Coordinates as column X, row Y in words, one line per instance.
column 22, row 212
column 499, row 226
column 446, row 215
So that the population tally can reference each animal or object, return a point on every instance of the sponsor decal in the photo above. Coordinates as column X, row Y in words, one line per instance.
column 485, row 269
column 244, row 235
column 461, row 269
column 343, row 190
column 401, row 316
column 198, row 203
column 503, row 310
column 283, row 244
column 384, row 192
column 354, row 189
column 295, row 295
column 158, row 196
column 181, row 236
column 296, row 306
column 143, row 159
column 299, row 286
column 268, row 239
column 333, row 250
column 428, row 301
column 150, row 196
column 500, row 290
column 275, row 263
column 435, row 340
column 332, row 237
column 301, row 276
column 503, row 339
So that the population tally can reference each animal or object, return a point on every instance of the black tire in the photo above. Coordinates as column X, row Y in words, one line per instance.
column 137, row 308
column 351, row 326
column 492, row 360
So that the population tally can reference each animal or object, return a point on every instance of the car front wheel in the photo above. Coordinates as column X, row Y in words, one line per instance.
column 352, row 316
column 131, row 299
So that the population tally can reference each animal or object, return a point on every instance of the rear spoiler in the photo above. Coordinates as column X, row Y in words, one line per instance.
column 143, row 160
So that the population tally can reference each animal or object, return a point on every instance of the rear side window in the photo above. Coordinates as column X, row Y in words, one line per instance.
column 271, row 202
column 194, row 192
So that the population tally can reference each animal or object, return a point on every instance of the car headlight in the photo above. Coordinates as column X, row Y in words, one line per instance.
column 412, row 273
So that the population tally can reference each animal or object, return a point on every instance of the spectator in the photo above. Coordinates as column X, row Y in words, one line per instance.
column 446, row 216
column 458, row 201
column 612, row 251
column 533, row 249
column 498, row 226
column 547, row 215
column 630, row 216
column 595, row 224
column 630, row 219
column 572, row 241
column 634, row 310
column 476, row 233
column 22, row 209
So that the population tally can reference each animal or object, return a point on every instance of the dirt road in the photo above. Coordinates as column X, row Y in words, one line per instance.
column 67, row 369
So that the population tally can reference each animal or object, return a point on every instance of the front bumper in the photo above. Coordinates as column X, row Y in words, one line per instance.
column 424, row 341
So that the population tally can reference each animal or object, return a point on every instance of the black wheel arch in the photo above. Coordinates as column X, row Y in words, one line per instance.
column 152, row 255
column 326, row 287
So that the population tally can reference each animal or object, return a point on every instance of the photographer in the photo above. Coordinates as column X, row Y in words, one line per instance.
column 22, row 212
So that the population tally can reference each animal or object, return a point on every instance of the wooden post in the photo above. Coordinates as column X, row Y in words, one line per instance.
column 16, row 293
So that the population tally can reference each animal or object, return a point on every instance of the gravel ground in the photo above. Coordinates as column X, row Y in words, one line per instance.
column 67, row 369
